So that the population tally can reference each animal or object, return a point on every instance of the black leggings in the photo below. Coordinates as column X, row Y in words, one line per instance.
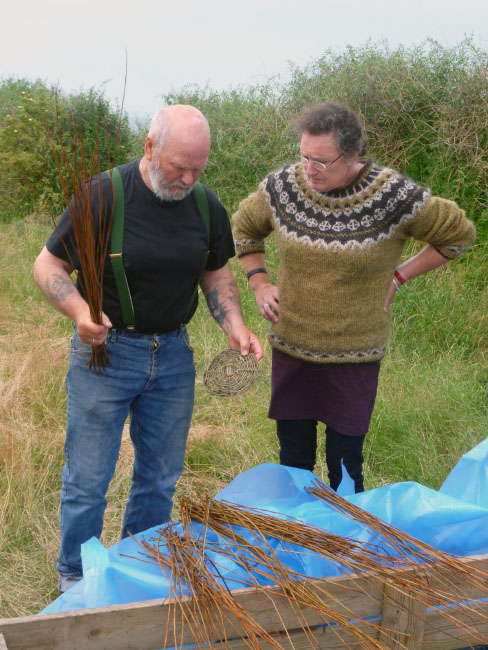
column 298, row 448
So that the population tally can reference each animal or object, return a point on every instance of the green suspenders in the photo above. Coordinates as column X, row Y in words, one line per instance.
column 116, row 240
column 202, row 202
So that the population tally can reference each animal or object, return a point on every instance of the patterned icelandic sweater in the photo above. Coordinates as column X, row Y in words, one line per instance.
column 338, row 252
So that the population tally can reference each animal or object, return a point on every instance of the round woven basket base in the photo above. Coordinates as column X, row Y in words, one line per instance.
column 230, row 373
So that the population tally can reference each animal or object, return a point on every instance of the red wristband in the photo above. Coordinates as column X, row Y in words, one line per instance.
column 399, row 277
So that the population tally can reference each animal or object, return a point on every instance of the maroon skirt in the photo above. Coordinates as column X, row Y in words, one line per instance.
column 340, row 395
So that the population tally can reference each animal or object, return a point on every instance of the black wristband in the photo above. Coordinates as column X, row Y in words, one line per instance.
column 261, row 270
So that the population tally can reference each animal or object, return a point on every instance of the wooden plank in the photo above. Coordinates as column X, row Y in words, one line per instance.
column 128, row 627
column 443, row 580
column 442, row 634
column 142, row 626
column 439, row 634
column 324, row 638
column 402, row 621
column 139, row 626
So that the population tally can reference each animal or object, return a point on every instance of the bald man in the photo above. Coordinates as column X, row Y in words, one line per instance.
column 166, row 252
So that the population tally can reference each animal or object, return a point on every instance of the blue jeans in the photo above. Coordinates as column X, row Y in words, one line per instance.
column 152, row 377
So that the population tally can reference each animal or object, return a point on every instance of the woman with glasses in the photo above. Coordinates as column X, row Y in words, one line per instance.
column 341, row 223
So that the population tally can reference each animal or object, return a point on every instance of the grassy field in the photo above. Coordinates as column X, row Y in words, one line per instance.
column 425, row 113
column 431, row 407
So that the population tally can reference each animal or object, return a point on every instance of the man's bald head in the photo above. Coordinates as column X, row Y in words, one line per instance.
column 176, row 151
column 180, row 121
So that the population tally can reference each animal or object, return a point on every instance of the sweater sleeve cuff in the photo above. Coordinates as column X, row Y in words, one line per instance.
column 246, row 247
column 451, row 252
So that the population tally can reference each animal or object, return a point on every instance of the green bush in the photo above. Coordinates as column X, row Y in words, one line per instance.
column 424, row 109
column 33, row 118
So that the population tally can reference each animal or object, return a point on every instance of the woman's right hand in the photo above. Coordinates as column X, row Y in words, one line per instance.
column 268, row 301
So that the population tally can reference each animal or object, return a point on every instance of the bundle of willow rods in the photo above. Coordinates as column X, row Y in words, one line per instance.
column 193, row 564
column 406, row 546
column 80, row 177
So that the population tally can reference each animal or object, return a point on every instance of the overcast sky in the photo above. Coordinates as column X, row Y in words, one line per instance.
column 222, row 43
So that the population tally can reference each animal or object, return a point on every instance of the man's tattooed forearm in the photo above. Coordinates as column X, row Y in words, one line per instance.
column 58, row 288
column 217, row 308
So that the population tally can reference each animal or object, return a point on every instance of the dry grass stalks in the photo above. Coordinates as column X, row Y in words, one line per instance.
column 31, row 442
column 195, row 559
column 32, row 431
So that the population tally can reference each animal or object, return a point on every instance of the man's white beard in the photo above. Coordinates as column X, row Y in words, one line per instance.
column 161, row 187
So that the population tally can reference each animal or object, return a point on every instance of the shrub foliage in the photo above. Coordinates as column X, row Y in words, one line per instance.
column 424, row 109
column 28, row 124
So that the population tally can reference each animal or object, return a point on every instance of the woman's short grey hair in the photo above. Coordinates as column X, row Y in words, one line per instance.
column 338, row 120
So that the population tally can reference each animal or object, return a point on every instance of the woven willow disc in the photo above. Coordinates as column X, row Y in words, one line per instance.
column 230, row 373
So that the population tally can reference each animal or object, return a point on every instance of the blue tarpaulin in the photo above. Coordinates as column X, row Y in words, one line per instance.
column 453, row 519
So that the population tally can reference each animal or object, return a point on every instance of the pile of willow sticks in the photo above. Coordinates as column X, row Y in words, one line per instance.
column 195, row 554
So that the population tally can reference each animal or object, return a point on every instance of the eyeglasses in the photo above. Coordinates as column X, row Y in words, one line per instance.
column 318, row 166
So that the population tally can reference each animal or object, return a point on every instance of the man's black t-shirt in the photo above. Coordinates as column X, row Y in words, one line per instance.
column 165, row 248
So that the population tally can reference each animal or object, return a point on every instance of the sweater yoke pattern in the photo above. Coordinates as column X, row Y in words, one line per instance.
column 370, row 210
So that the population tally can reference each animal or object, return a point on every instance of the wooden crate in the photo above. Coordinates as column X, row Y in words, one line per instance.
column 142, row 626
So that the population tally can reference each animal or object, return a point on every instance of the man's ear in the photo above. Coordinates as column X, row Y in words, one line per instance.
column 149, row 149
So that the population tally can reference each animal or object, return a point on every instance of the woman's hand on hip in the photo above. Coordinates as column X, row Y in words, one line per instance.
column 268, row 301
column 389, row 298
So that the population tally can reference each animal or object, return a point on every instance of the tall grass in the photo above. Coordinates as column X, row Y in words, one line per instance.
column 431, row 407
column 432, row 399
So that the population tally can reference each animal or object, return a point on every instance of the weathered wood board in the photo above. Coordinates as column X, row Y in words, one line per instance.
column 398, row 622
